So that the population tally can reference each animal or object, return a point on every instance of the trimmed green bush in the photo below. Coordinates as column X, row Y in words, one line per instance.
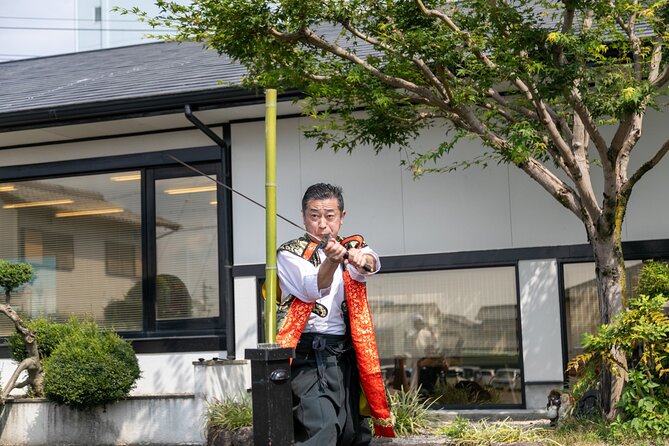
column 13, row 275
column 90, row 367
column 47, row 334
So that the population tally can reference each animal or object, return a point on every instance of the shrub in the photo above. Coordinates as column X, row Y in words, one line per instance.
column 641, row 332
column 47, row 334
column 13, row 275
column 410, row 411
column 230, row 414
column 90, row 367
column 653, row 279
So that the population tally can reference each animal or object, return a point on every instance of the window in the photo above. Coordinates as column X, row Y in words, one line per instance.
column 582, row 301
column 454, row 333
column 186, row 248
column 39, row 247
column 123, row 260
column 64, row 228
column 137, row 250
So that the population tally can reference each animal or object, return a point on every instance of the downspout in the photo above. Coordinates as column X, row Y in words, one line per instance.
column 230, row 302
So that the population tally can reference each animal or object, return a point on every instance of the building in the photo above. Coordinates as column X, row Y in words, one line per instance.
column 37, row 28
column 93, row 193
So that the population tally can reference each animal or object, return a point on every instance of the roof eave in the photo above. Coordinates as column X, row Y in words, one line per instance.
column 133, row 108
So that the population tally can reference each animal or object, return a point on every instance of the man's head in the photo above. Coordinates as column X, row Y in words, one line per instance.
column 323, row 209
column 323, row 191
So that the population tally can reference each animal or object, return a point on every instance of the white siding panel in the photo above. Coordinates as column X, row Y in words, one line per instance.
column 648, row 212
column 464, row 210
column 246, row 322
column 248, row 177
column 538, row 219
column 372, row 190
column 540, row 320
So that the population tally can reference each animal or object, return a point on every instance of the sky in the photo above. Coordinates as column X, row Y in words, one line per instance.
column 34, row 28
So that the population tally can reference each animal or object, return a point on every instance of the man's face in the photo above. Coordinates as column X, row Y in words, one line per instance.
column 322, row 217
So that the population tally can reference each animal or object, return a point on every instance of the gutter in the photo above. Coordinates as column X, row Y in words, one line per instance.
column 133, row 107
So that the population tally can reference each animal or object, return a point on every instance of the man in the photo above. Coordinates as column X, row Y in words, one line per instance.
column 328, row 323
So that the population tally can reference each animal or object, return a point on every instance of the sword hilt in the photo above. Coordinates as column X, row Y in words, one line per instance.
column 367, row 266
column 323, row 241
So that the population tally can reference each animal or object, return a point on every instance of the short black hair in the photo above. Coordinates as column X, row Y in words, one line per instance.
column 323, row 191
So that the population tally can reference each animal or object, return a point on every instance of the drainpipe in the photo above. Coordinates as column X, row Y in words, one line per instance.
column 230, row 307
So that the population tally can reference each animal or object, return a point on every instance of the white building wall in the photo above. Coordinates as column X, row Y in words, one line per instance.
column 473, row 209
column 495, row 208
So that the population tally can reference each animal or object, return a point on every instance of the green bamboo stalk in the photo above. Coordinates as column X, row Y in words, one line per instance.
column 270, row 215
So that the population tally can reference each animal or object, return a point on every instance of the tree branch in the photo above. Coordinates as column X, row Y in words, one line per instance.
column 574, row 100
column 655, row 60
column 309, row 37
column 422, row 66
column 634, row 39
column 662, row 77
column 564, row 194
column 529, row 114
column 26, row 364
column 626, row 190
column 463, row 34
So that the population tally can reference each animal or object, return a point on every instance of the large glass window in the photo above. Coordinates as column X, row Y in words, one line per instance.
column 135, row 250
column 83, row 237
column 186, row 248
column 582, row 302
column 451, row 333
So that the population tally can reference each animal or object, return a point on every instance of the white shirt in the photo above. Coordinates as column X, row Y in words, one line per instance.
column 299, row 278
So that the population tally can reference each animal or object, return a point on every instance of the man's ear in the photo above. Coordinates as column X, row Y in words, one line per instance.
column 343, row 214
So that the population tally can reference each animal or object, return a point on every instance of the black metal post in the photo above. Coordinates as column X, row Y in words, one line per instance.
column 271, row 396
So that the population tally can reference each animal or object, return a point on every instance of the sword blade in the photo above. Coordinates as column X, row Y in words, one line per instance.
column 220, row 183
column 321, row 240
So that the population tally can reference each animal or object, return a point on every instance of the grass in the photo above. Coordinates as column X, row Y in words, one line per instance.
column 574, row 432
column 411, row 412
column 463, row 432
column 230, row 414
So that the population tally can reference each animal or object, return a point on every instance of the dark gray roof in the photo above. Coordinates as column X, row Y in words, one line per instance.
column 127, row 72
column 134, row 78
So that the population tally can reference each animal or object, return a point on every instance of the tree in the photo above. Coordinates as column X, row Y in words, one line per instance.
column 12, row 276
column 535, row 81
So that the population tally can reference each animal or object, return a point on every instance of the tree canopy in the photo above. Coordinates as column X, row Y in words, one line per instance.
column 535, row 81
column 556, row 88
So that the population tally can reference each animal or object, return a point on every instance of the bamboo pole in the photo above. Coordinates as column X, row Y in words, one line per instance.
column 270, row 216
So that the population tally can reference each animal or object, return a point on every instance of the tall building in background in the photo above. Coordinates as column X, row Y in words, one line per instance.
column 36, row 28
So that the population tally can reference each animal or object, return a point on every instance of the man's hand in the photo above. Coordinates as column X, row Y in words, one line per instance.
column 334, row 253
column 362, row 262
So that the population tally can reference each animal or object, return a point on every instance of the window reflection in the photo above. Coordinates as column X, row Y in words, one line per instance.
column 582, row 301
column 83, row 237
column 453, row 334
column 187, row 251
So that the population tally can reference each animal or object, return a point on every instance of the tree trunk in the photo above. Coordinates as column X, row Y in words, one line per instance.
column 611, row 288
column 32, row 362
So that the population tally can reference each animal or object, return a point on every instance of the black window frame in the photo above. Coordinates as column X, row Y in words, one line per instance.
column 632, row 250
column 202, row 334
